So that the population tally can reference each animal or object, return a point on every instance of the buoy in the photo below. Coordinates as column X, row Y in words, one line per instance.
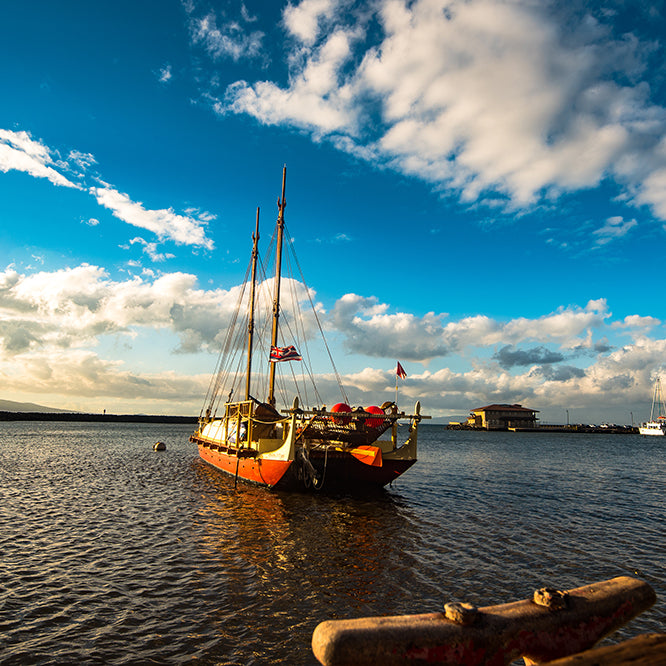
column 341, row 408
column 159, row 446
column 374, row 423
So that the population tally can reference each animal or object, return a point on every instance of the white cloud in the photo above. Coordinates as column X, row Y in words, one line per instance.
column 72, row 307
column 19, row 152
column 54, row 324
column 82, row 378
column 609, row 389
column 566, row 326
column 483, row 97
column 302, row 20
column 83, row 160
column 638, row 321
column 614, row 228
column 369, row 329
column 228, row 41
column 653, row 191
column 316, row 99
column 151, row 250
column 164, row 223
column 165, row 74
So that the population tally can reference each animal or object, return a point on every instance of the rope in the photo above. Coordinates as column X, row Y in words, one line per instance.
column 230, row 365
column 323, row 476
column 314, row 311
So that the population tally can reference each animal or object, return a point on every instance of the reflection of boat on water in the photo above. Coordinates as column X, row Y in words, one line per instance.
column 657, row 423
column 298, row 447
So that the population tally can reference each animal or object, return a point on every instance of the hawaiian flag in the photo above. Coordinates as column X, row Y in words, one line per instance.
column 279, row 354
column 400, row 371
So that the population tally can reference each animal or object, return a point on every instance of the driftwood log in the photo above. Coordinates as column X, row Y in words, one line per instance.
column 551, row 625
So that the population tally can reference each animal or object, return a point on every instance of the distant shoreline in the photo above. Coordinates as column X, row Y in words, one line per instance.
column 101, row 418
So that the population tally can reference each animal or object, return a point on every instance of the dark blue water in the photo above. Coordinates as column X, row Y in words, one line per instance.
column 112, row 553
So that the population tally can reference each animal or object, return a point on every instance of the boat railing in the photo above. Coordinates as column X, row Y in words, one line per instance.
column 245, row 421
column 357, row 427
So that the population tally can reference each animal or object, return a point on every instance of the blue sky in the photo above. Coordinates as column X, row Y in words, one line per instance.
column 476, row 189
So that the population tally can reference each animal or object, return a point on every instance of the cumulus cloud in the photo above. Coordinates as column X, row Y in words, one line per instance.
column 318, row 99
column 502, row 101
column 562, row 373
column 370, row 329
column 567, row 325
column 637, row 321
column 303, row 20
column 53, row 324
column 611, row 387
column 509, row 356
column 84, row 377
column 72, row 307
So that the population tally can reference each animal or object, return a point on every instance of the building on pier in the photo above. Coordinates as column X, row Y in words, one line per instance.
column 502, row 417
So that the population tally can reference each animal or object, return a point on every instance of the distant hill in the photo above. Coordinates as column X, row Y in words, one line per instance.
column 11, row 406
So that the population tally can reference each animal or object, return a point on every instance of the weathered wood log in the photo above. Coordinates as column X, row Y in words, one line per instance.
column 645, row 650
column 550, row 626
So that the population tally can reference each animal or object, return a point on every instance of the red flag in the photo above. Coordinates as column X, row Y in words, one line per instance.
column 279, row 354
column 400, row 371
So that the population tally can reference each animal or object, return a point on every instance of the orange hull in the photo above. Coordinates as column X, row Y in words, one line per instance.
column 264, row 472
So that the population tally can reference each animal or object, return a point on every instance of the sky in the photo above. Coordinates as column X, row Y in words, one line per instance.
column 476, row 188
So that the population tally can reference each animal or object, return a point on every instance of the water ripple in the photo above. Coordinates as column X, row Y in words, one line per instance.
column 116, row 554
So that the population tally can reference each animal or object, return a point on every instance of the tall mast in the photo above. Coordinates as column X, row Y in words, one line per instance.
column 250, row 323
column 278, row 271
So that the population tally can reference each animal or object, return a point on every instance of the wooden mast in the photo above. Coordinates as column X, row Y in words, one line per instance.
column 278, row 270
column 250, row 323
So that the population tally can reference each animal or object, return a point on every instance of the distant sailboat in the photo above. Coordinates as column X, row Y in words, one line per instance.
column 657, row 423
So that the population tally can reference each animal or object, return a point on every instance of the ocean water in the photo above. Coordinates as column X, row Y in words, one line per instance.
column 112, row 553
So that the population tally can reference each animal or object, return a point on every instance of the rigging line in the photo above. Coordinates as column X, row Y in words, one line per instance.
column 300, row 334
column 232, row 353
column 321, row 330
column 300, row 322
column 262, row 337
column 302, row 337
column 302, row 391
column 301, row 387
column 237, row 378
column 229, row 382
column 231, row 343
column 214, row 384
column 306, row 398
column 295, row 303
